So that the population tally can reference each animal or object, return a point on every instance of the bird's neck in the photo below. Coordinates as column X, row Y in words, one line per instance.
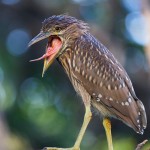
column 69, row 58
column 65, row 60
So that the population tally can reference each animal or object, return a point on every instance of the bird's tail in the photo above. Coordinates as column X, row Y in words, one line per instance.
column 142, row 116
column 138, row 119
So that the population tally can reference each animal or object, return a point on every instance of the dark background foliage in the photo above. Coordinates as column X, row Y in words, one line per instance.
column 36, row 112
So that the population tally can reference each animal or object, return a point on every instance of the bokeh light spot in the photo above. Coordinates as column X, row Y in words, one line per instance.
column 7, row 94
column 37, row 105
column 85, row 2
column 10, row 2
column 1, row 75
column 34, row 93
column 2, row 94
column 46, row 4
column 137, row 28
column 132, row 5
column 17, row 42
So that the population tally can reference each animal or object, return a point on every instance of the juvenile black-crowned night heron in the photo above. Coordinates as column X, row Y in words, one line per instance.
column 96, row 75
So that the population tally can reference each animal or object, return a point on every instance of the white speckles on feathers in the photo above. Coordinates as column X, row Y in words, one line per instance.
column 127, row 103
column 129, row 100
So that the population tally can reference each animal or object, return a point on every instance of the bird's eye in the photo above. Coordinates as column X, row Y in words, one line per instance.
column 57, row 28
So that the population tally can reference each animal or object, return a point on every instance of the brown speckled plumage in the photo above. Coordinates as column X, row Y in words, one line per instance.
column 95, row 74
column 90, row 64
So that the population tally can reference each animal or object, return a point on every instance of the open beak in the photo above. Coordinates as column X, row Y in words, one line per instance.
column 52, row 49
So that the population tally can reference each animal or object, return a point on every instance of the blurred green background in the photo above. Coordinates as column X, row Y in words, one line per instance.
column 36, row 112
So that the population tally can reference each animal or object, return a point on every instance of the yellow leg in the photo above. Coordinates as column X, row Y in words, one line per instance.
column 107, row 126
column 87, row 118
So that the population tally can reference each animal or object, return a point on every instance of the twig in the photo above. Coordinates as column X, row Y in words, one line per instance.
column 139, row 146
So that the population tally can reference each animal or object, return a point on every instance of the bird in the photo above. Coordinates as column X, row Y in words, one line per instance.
column 96, row 75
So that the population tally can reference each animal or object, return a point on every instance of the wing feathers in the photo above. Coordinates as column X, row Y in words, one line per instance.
column 108, row 84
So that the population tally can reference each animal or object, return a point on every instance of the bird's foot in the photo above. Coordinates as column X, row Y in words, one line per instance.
column 55, row 148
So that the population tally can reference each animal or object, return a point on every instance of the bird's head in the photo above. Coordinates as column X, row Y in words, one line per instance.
column 60, row 30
